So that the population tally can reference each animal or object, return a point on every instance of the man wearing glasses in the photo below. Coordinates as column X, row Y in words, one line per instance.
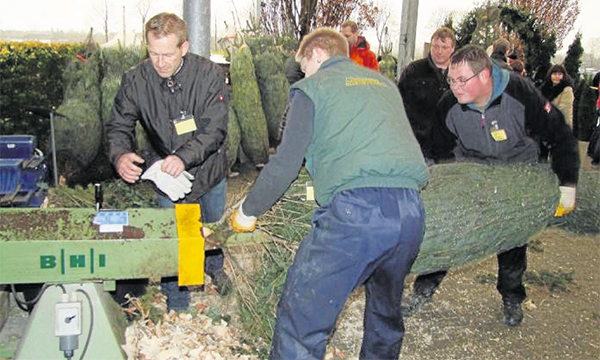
column 494, row 116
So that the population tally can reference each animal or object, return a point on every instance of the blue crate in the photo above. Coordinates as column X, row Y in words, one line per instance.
column 33, row 173
column 22, row 172
column 10, row 175
column 17, row 146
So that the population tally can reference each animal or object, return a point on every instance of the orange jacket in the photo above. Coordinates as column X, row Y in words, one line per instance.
column 361, row 54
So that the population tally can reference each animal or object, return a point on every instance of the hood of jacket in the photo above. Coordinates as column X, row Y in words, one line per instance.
column 361, row 44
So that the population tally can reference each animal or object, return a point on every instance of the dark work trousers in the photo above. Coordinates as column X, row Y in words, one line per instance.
column 212, row 207
column 511, row 267
column 367, row 236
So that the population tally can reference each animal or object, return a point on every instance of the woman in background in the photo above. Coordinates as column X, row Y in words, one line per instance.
column 558, row 89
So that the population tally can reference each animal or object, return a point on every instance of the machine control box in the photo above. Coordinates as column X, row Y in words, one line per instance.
column 68, row 318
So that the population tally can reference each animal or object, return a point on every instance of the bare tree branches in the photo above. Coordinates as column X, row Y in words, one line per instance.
column 143, row 7
column 299, row 17
column 382, row 22
column 559, row 15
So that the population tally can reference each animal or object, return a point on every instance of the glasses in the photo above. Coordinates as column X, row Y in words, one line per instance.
column 460, row 82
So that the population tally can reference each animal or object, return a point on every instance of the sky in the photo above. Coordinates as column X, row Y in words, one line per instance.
column 80, row 15
column 431, row 11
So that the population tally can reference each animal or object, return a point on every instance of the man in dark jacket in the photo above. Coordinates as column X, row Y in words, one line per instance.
column 180, row 99
column 494, row 116
column 423, row 83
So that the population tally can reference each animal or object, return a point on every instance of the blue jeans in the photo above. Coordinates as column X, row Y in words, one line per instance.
column 367, row 236
column 212, row 207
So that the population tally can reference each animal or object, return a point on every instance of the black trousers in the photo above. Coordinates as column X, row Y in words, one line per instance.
column 511, row 267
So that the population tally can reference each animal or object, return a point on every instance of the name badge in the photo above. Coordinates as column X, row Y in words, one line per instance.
column 185, row 124
column 497, row 133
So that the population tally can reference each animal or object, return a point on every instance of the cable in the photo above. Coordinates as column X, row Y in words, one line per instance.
column 24, row 304
column 89, row 337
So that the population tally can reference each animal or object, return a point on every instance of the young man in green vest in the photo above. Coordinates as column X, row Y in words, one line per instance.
column 367, row 168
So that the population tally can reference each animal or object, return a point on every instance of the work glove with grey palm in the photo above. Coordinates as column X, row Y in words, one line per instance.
column 174, row 187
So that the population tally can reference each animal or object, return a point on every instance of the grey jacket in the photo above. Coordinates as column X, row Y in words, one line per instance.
column 526, row 117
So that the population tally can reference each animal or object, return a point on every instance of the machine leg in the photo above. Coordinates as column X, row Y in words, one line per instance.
column 102, row 325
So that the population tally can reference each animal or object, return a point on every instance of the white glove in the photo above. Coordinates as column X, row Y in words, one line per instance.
column 174, row 187
column 566, row 204
column 242, row 222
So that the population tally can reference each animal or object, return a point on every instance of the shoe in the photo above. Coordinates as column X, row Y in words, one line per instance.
column 513, row 314
column 413, row 303
column 221, row 282
column 178, row 298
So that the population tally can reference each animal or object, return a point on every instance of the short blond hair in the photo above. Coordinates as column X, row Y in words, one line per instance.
column 326, row 39
column 165, row 24
column 443, row 34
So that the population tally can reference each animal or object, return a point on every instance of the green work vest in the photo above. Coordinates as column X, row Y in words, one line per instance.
column 361, row 134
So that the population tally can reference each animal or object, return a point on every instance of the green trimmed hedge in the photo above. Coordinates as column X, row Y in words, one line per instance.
column 32, row 75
